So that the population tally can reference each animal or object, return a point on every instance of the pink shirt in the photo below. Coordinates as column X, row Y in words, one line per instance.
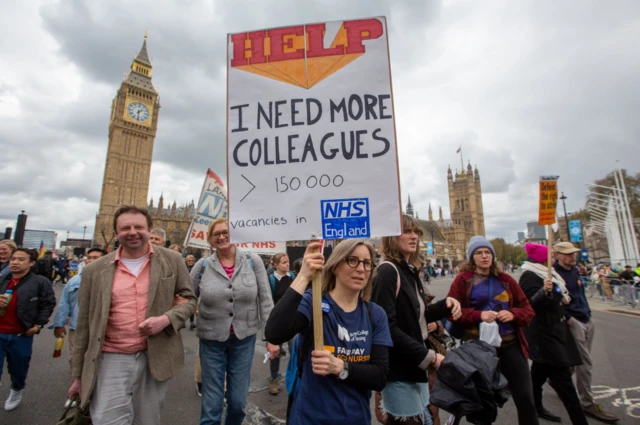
column 229, row 272
column 129, row 300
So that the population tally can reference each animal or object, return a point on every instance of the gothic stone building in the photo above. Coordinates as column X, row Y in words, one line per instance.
column 467, row 217
column 132, row 130
column 467, row 213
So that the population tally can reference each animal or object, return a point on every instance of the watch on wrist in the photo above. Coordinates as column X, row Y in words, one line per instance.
column 344, row 373
column 39, row 329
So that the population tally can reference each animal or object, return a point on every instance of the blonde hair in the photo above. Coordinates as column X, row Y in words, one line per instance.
column 339, row 254
column 214, row 223
column 11, row 244
column 390, row 249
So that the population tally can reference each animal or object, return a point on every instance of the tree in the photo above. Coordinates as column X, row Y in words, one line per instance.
column 506, row 252
column 632, row 184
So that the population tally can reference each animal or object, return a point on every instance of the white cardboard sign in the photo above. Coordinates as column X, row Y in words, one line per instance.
column 311, row 147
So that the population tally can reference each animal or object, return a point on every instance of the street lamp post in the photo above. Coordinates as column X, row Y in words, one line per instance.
column 83, row 232
column 566, row 219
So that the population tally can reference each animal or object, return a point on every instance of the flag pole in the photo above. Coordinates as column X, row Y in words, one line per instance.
column 461, row 160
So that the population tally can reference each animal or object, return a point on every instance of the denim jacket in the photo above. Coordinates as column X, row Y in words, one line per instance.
column 68, row 306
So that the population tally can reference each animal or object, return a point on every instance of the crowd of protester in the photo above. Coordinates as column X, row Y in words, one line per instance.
column 383, row 332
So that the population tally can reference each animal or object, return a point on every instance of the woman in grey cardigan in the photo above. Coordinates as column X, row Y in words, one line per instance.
column 235, row 298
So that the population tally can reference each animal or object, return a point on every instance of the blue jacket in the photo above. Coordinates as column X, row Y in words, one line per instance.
column 4, row 269
column 68, row 306
column 578, row 308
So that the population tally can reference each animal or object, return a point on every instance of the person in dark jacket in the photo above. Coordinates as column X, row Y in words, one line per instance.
column 23, row 313
column 489, row 295
column 582, row 328
column 552, row 348
column 398, row 290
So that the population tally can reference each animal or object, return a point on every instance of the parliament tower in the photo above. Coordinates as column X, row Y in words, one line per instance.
column 467, row 213
column 132, row 131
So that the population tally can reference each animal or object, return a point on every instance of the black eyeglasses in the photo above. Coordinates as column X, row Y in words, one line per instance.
column 354, row 261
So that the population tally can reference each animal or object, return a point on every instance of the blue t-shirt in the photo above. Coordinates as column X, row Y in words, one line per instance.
column 349, row 336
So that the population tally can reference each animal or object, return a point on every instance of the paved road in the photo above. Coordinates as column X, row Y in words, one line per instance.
column 615, row 352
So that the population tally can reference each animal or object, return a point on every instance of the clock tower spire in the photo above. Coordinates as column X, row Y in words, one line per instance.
column 132, row 131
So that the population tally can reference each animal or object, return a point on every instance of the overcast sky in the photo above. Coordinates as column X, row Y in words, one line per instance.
column 527, row 88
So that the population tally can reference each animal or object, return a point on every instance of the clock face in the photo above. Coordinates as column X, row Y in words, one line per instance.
column 138, row 111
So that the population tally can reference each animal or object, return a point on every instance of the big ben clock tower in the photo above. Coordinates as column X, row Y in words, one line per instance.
column 132, row 131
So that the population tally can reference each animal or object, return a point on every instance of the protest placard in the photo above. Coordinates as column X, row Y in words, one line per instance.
column 547, row 212
column 212, row 204
column 311, row 146
column 548, row 200
column 263, row 248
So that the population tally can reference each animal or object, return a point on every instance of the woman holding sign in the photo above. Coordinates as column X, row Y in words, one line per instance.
column 552, row 348
column 334, row 384
column 399, row 291
column 232, row 286
column 491, row 296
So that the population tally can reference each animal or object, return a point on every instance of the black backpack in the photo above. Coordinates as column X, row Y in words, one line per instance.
column 44, row 267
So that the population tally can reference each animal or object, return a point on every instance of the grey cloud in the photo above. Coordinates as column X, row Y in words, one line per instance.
column 528, row 88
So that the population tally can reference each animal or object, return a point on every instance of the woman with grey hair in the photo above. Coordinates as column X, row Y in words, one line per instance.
column 234, row 296
column 334, row 385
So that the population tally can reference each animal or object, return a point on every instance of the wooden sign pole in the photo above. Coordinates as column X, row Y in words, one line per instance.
column 316, row 292
column 550, row 247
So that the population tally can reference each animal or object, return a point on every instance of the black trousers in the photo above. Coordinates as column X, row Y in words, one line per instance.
column 561, row 382
column 515, row 368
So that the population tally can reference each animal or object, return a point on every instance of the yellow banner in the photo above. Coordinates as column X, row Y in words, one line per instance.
column 548, row 200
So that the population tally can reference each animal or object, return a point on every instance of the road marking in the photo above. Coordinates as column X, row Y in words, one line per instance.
column 632, row 404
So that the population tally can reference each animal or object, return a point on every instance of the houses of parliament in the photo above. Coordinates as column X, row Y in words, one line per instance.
column 450, row 237
column 133, row 125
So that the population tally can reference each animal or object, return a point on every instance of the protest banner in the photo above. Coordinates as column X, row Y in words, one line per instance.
column 548, row 200
column 547, row 211
column 212, row 204
column 575, row 231
column 263, row 248
column 311, row 146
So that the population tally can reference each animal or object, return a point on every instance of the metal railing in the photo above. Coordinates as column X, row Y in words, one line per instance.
column 613, row 290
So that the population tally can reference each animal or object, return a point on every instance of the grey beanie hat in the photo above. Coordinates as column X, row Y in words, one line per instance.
column 479, row 242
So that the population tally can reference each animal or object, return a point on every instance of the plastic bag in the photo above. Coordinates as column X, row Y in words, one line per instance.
column 490, row 333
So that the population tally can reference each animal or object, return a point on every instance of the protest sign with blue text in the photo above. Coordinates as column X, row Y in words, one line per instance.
column 212, row 204
column 311, row 145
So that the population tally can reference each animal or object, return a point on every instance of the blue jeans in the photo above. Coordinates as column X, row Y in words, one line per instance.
column 232, row 357
column 18, row 351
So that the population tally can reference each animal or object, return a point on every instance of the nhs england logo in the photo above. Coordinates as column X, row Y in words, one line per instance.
column 345, row 218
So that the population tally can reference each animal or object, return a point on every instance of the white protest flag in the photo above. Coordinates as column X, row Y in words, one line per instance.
column 311, row 146
column 212, row 204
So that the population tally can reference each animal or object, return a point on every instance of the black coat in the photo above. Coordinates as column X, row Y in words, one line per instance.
column 403, row 313
column 36, row 299
column 549, row 336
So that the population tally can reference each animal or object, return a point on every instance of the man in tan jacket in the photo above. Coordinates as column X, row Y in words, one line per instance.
column 133, row 302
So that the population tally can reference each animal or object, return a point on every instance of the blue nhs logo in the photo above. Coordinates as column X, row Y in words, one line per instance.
column 345, row 218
